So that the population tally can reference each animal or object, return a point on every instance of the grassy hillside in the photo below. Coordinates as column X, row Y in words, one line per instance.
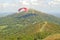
column 53, row 37
column 31, row 16
column 31, row 25
column 30, row 32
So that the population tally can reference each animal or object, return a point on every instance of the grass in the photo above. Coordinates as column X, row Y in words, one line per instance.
column 53, row 37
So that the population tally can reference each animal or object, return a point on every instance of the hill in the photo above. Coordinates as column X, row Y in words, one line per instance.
column 30, row 32
column 29, row 17
column 3, row 14
column 31, row 25
column 53, row 37
column 56, row 14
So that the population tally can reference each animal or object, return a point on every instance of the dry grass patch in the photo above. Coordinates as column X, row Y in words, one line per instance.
column 53, row 37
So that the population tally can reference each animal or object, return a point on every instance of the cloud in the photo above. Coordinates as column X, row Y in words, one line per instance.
column 10, row 5
column 24, row 3
column 34, row 2
column 29, row 2
column 54, row 3
column 5, row 5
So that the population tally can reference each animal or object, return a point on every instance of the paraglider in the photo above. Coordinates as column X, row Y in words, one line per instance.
column 23, row 9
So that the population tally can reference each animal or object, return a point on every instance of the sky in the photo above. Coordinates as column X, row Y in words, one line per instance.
column 48, row 6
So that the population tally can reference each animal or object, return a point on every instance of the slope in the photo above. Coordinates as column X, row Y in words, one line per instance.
column 32, row 16
column 30, row 32
column 31, row 25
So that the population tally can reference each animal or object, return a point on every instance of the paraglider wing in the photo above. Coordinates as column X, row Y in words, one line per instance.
column 25, row 9
column 20, row 9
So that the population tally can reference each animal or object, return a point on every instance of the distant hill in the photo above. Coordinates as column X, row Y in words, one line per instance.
column 3, row 14
column 56, row 14
column 31, row 25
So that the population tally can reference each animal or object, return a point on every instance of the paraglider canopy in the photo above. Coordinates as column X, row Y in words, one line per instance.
column 23, row 9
